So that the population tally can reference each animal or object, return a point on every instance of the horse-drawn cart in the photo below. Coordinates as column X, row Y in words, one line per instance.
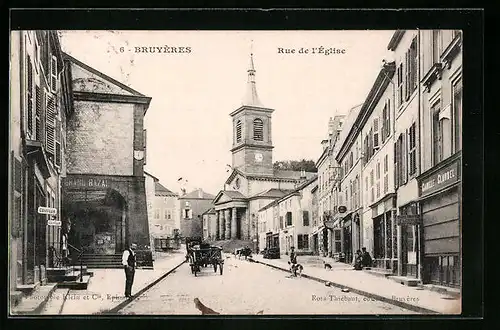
column 204, row 255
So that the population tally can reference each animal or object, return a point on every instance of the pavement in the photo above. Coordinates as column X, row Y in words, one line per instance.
column 247, row 288
column 366, row 284
column 106, row 288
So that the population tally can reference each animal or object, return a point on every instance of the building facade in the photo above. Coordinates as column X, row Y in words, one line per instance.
column 209, row 224
column 39, row 107
column 104, row 194
column 253, row 182
column 349, row 195
column 192, row 206
column 439, row 184
column 293, row 228
column 379, row 198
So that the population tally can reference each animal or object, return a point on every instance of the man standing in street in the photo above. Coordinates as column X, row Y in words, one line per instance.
column 128, row 261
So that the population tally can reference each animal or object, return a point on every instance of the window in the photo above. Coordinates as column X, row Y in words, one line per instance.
column 258, row 130
column 188, row 214
column 376, row 134
column 437, row 134
column 157, row 213
column 238, row 131
column 29, row 95
column 288, row 218
column 386, row 174
column 303, row 241
column 400, row 84
column 53, row 74
column 412, row 150
column 305, row 218
column 38, row 114
column 412, row 68
column 435, row 45
column 378, row 179
column 167, row 215
column 50, row 128
column 457, row 114
column 372, row 186
column 386, row 121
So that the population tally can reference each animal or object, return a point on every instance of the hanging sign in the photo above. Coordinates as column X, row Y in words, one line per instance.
column 47, row 210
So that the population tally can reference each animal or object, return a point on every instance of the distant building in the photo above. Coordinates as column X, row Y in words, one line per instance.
column 253, row 182
column 287, row 220
column 209, row 218
column 163, row 212
column 192, row 206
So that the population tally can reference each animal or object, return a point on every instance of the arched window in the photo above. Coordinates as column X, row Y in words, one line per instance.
column 238, row 131
column 258, row 129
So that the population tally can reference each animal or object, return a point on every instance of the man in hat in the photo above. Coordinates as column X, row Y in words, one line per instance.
column 129, row 263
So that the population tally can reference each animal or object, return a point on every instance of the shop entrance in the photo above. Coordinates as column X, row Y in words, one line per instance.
column 99, row 220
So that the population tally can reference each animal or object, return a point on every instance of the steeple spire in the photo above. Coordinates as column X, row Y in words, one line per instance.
column 251, row 97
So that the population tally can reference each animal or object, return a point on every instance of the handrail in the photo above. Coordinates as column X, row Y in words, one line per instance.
column 81, row 260
column 71, row 246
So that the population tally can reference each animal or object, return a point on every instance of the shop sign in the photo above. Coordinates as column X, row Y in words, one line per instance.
column 85, row 183
column 47, row 210
column 329, row 222
column 342, row 209
column 54, row 223
column 408, row 219
column 440, row 179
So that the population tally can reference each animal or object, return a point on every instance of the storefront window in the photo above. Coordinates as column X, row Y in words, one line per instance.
column 379, row 237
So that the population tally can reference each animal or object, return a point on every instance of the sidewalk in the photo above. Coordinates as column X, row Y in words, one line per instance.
column 106, row 288
column 379, row 288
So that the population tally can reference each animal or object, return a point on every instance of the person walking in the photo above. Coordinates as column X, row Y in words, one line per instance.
column 129, row 263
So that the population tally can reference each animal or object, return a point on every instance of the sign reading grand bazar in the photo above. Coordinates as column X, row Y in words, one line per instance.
column 376, row 215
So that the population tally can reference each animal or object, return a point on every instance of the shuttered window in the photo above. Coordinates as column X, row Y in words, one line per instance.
column 386, row 174
column 376, row 134
column 238, row 131
column 258, row 129
column 412, row 152
column 53, row 74
column 30, row 96
column 58, row 150
column 305, row 218
column 400, row 84
column 457, row 114
column 38, row 114
column 50, row 129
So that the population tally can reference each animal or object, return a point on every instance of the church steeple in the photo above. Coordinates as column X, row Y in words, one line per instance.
column 251, row 97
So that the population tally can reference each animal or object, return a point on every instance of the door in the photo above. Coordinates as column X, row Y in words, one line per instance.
column 41, row 233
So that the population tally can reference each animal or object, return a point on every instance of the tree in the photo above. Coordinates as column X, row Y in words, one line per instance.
column 296, row 165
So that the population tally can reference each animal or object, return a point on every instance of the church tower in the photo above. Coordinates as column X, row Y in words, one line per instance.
column 252, row 143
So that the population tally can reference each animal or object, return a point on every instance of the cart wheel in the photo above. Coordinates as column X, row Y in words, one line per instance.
column 215, row 268
column 220, row 268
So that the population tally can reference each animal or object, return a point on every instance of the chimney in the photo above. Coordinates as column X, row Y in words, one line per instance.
column 331, row 126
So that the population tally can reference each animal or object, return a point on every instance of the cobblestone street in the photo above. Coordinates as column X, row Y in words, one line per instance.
column 247, row 288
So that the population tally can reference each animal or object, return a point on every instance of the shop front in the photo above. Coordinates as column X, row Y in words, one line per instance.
column 409, row 222
column 347, row 238
column 385, row 245
column 440, row 205
column 106, row 214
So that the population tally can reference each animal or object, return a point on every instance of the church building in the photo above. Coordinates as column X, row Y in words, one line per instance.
column 253, row 182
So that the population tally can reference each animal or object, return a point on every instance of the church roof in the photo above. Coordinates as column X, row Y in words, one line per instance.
column 272, row 193
column 251, row 96
column 209, row 211
column 160, row 190
column 198, row 194
column 234, row 194
column 278, row 175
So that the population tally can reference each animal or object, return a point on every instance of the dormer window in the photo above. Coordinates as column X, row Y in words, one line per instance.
column 258, row 130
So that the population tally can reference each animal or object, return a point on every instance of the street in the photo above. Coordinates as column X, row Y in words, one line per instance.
column 248, row 288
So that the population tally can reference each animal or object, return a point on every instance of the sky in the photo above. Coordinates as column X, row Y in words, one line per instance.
column 189, row 130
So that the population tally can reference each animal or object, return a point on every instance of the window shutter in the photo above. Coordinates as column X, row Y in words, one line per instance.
column 396, row 164
column 404, row 160
column 407, row 76
column 53, row 74
column 376, row 134
column 388, row 118
column 30, row 96
column 58, row 151
column 38, row 114
column 50, row 116
column 144, row 133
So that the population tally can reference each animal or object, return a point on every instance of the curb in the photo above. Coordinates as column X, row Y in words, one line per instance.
column 39, row 307
column 121, row 305
column 362, row 293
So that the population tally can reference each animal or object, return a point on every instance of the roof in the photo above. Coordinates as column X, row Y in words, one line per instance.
column 272, row 193
column 278, row 175
column 299, row 188
column 102, row 75
column 160, row 190
column 396, row 38
column 209, row 211
column 234, row 194
column 151, row 175
column 198, row 194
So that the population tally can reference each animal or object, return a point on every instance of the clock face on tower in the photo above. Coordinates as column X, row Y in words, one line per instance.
column 258, row 157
